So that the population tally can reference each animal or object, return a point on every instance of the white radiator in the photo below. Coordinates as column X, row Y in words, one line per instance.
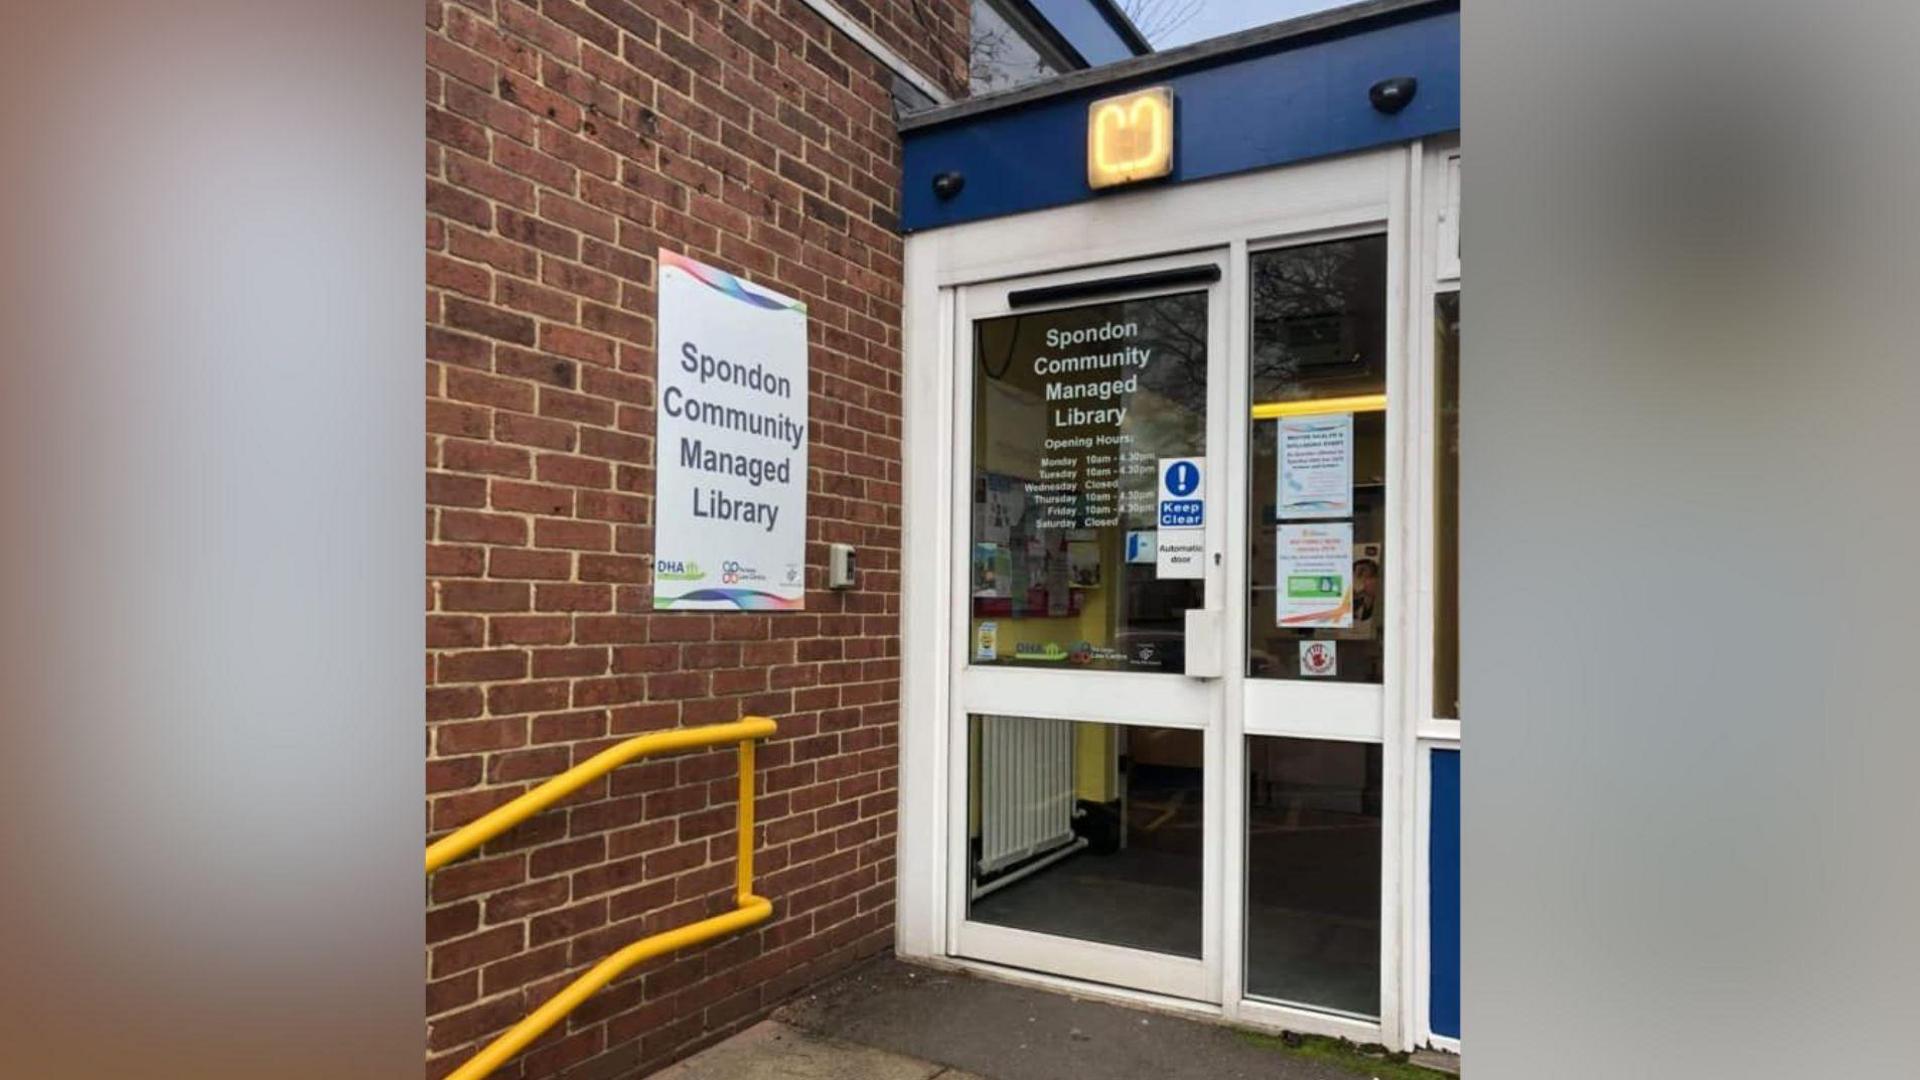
column 1026, row 789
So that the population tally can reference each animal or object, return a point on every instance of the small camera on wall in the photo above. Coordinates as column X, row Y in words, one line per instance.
column 840, row 566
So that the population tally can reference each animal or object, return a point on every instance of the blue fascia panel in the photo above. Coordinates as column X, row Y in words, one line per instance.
column 1238, row 113
column 1086, row 29
column 1443, row 901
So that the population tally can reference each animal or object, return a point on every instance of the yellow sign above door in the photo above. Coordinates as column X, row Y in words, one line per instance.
column 1130, row 137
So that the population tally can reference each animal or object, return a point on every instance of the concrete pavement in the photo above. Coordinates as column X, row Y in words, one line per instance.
column 888, row 1020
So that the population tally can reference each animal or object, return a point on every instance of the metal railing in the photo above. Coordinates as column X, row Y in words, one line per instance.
column 748, row 910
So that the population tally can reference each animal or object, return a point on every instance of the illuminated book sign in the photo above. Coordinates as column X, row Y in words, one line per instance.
column 1130, row 137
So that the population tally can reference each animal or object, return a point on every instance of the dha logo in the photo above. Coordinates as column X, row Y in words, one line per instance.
column 675, row 570
column 1027, row 650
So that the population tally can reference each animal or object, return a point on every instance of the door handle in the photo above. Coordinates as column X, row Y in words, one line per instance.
column 1206, row 643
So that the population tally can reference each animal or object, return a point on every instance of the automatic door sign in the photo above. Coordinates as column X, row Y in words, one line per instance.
column 1143, row 546
column 1181, row 544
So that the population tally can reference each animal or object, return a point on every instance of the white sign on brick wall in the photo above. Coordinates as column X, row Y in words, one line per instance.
column 730, row 445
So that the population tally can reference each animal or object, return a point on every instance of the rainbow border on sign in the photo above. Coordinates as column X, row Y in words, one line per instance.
column 744, row 599
column 720, row 281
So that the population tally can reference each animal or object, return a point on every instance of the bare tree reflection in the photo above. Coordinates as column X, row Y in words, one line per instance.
column 1318, row 319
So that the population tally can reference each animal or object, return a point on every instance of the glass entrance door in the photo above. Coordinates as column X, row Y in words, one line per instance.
column 1087, row 734
column 1320, row 458
column 1168, row 750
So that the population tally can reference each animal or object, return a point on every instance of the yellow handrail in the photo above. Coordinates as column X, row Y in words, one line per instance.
column 749, row 909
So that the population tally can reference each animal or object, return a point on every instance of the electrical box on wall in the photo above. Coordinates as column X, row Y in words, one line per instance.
column 840, row 566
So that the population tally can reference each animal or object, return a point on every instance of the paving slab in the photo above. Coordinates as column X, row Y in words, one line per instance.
column 1438, row 1060
column 1006, row 1032
column 772, row 1050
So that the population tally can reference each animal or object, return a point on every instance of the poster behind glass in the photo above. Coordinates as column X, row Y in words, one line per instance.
column 1073, row 411
column 1318, row 474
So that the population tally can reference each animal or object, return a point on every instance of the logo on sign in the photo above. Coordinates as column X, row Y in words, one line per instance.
column 1130, row 137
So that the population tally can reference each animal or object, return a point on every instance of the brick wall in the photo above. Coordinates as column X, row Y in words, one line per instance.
column 566, row 143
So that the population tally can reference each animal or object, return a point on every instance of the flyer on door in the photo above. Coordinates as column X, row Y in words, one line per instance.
column 730, row 452
column 1316, row 575
column 1316, row 466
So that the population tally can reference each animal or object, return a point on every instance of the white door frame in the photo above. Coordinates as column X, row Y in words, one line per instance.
column 1119, row 697
column 1367, row 192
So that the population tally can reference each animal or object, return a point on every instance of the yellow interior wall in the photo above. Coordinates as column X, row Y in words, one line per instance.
column 1062, row 630
column 1094, row 746
column 973, row 778
column 1093, row 624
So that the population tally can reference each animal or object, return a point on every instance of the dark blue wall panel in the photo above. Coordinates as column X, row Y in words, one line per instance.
column 1298, row 99
column 1443, row 879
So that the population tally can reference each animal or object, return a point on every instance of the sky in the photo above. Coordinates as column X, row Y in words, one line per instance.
column 1218, row 17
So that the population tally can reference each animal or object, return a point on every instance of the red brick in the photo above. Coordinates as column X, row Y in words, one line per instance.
column 452, row 418
column 610, row 506
column 459, row 205
column 574, row 471
column 573, row 535
column 451, row 774
column 551, row 663
column 578, row 152
column 569, row 727
column 527, row 229
column 458, row 349
column 572, row 598
column 557, row 168
column 455, row 956
column 534, row 431
column 529, row 630
column 491, row 322
column 451, row 702
column 619, row 568
column 472, row 877
column 535, row 299
column 445, row 273
column 479, row 735
column 536, row 765
column 482, row 389
column 611, row 629
column 445, row 560
column 535, row 165
column 499, row 253
column 571, row 855
column 579, row 344
column 527, row 697
column 582, row 408
column 537, row 367
column 531, row 498
column 482, row 528
column 461, row 455
column 612, row 691
column 455, row 631
column 487, row 665
column 537, row 565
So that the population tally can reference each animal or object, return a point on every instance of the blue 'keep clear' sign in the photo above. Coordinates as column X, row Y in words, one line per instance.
column 1181, row 506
